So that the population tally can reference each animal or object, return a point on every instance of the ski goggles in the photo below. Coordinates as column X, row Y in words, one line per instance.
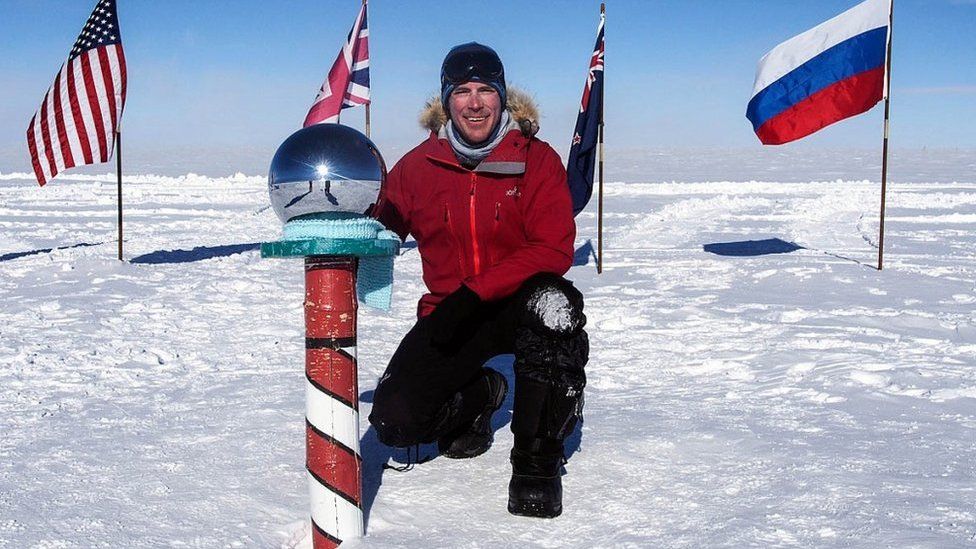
column 478, row 63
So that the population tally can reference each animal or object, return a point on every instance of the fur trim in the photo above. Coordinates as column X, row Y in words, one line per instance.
column 520, row 106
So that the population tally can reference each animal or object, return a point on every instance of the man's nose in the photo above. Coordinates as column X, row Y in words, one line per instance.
column 475, row 102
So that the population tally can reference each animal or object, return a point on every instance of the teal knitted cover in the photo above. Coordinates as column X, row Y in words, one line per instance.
column 374, row 279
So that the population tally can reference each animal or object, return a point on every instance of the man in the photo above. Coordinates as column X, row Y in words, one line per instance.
column 490, row 209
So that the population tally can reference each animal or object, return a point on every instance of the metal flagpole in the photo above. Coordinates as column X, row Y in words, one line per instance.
column 884, row 154
column 367, row 119
column 118, row 169
column 367, row 104
column 599, row 233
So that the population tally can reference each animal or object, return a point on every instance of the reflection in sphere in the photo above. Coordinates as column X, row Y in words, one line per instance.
column 325, row 168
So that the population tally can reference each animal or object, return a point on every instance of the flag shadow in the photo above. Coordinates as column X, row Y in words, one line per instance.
column 199, row 253
column 16, row 255
column 583, row 254
column 751, row 248
column 845, row 258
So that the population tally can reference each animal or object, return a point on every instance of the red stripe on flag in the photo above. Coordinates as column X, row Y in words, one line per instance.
column 334, row 465
column 123, row 76
column 32, row 147
column 362, row 50
column 320, row 112
column 330, row 106
column 46, row 136
column 109, row 87
column 834, row 103
column 94, row 103
column 63, row 140
column 80, row 129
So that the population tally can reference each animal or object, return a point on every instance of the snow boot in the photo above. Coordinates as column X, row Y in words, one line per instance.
column 548, row 405
column 475, row 439
column 536, row 489
column 545, row 414
column 551, row 351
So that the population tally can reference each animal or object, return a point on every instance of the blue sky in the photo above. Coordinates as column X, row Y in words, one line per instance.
column 242, row 73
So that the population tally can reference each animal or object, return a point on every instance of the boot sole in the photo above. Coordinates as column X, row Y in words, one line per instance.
column 535, row 510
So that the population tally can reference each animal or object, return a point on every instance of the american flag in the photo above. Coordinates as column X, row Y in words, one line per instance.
column 582, row 151
column 348, row 82
column 80, row 114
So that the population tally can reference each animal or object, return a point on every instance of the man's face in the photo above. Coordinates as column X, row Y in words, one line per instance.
column 475, row 109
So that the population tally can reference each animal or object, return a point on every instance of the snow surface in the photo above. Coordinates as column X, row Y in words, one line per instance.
column 737, row 396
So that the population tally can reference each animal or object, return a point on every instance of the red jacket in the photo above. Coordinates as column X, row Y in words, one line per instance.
column 492, row 227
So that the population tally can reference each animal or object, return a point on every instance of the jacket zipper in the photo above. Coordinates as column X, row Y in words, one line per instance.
column 474, row 227
column 457, row 242
column 494, row 231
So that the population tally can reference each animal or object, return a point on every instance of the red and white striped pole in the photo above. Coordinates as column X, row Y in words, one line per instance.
column 333, row 460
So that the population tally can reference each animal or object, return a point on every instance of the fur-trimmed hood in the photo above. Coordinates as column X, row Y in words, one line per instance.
column 520, row 106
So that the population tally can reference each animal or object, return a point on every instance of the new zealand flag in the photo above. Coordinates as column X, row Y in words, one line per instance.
column 582, row 153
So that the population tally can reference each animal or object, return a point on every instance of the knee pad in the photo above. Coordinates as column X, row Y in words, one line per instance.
column 551, row 306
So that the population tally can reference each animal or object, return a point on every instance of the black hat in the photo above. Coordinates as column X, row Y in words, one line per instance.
column 472, row 62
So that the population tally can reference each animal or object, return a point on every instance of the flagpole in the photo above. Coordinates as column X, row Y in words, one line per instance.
column 367, row 104
column 118, row 170
column 367, row 120
column 599, row 233
column 884, row 154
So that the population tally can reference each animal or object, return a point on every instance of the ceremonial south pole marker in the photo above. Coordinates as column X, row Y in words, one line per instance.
column 333, row 459
column 323, row 179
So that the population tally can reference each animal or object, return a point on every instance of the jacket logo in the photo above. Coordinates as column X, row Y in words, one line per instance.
column 514, row 191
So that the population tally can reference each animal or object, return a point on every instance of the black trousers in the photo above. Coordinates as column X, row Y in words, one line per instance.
column 422, row 394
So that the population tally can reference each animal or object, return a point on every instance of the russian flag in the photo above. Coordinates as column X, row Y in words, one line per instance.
column 831, row 72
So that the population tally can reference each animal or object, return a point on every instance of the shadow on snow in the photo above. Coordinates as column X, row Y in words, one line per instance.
column 749, row 248
column 196, row 254
column 583, row 254
column 15, row 255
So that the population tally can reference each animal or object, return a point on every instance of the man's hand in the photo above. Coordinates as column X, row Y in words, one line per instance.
column 452, row 314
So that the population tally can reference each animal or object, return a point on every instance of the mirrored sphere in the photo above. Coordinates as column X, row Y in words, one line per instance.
column 325, row 168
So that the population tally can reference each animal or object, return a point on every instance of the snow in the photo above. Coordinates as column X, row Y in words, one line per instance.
column 753, row 380
column 553, row 309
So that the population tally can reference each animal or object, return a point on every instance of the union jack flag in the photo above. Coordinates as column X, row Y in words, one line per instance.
column 80, row 114
column 582, row 151
column 348, row 82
